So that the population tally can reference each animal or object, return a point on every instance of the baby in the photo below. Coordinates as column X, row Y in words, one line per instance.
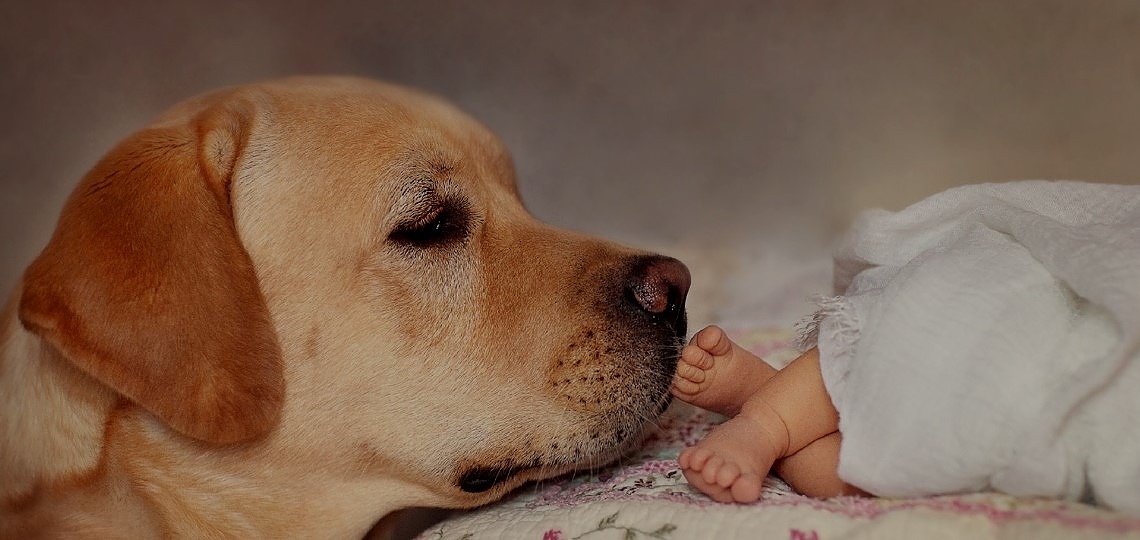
column 779, row 418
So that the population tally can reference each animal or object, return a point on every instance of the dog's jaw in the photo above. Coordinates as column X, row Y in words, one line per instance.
column 614, row 388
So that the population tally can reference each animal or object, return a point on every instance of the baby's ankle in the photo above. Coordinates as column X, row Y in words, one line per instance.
column 765, row 417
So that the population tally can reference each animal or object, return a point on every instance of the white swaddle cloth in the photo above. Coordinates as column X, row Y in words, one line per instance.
column 988, row 338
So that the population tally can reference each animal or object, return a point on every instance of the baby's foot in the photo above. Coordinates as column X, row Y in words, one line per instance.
column 730, row 464
column 715, row 373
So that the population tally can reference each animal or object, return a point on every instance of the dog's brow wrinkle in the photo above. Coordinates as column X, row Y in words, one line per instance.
column 417, row 187
column 413, row 196
column 443, row 168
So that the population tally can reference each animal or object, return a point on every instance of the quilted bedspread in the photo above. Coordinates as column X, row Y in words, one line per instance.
column 644, row 496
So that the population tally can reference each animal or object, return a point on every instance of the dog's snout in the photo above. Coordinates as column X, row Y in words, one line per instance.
column 659, row 285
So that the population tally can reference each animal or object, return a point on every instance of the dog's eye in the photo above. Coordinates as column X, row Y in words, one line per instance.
column 446, row 225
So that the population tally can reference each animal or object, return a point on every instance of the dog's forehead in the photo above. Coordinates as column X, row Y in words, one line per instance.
column 369, row 119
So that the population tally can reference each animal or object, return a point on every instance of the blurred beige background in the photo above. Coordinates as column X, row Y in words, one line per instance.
column 735, row 134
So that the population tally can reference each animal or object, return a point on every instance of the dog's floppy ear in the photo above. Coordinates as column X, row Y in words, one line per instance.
column 146, row 287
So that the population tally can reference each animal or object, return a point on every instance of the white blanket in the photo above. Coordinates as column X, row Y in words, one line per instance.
column 987, row 338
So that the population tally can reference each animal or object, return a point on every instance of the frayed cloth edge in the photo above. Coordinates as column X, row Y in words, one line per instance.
column 842, row 328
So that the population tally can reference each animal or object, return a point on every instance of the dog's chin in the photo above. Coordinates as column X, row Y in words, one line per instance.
column 598, row 443
column 495, row 480
column 629, row 411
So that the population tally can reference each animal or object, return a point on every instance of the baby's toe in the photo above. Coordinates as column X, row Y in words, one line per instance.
column 747, row 488
column 684, row 389
column 685, row 458
column 719, row 494
column 698, row 456
column 711, row 468
column 696, row 358
column 688, row 371
column 713, row 340
column 727, row 475
column 713, row 491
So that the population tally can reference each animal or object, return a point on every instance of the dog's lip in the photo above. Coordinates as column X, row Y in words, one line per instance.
column 481, row 479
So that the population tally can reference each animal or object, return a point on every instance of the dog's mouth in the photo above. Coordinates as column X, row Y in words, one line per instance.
column 622, row 406
column 587, row 451
column 480, row 479
column 570, row 455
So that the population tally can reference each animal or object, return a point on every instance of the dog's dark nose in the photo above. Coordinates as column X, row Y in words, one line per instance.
column 659, row 285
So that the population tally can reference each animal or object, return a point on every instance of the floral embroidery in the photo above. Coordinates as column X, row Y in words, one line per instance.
column 631, row 533
column 797, row 534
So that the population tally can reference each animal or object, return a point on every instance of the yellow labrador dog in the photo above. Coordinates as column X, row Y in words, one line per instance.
column 288, row 309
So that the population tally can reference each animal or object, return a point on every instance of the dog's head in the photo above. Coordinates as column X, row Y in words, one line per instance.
column 340, row 273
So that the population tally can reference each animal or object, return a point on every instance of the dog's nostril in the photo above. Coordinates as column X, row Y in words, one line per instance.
column 659, row 285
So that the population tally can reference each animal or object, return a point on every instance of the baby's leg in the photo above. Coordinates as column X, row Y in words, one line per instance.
column 814, row 471
column 789, row 414
column 717, row 374
column 729, row 466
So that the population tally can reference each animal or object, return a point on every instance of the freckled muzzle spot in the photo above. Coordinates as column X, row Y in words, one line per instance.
column 583, row 374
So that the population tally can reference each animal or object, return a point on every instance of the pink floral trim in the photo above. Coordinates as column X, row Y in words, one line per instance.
column 797, row 534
